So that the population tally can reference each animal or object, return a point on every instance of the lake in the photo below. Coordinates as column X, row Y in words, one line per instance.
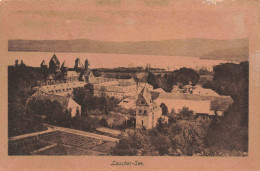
column 98, row 60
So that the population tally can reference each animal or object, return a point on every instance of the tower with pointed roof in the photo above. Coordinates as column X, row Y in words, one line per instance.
column 78, row 65
column 54, row 64
column 44, row 65
column 146, row 110
column 86, row 71
column 86, row 64
column 64, row 69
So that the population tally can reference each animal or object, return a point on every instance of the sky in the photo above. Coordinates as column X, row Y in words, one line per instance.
column 120, row 21
column 126, row 20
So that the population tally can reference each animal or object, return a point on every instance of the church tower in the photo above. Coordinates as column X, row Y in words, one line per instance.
column 54, row 64
column 86, row 71
column 78, row 66
column 86, row 65
column 64, row 69
column 144, row 109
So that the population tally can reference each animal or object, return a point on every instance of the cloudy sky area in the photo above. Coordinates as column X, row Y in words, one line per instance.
column 121, row 20
column 126, row 20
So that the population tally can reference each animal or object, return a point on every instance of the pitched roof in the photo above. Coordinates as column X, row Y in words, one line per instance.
column 155, row 95
column 146, row 95
column 68, row 102
column 221, row 103
column 63, row 88
column 204, row 91
column 71, row 103
column 55, row 59
column 65, row 101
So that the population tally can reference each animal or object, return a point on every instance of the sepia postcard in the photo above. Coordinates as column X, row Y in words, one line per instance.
column 129, row 84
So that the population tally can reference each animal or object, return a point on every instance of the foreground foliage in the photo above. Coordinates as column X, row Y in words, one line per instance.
column 184, row 137
column 20, row 81
column 231, row 132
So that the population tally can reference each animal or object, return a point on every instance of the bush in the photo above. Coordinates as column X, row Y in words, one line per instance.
column 185, row 113
column 103, row 122
column 123, row 148
column 85, row 123
column 164, row 109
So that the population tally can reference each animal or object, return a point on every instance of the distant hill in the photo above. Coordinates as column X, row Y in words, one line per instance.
column 235, row 54
column 236, row 50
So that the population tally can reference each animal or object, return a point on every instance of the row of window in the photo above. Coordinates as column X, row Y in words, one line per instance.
column 62, row 90
column 52, row 82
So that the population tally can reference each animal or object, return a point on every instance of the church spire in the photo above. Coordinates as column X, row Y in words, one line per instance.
column 64, row 65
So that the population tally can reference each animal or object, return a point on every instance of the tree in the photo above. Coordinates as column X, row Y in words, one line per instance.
column 20, row 81
column 173, row 111
column 185, row 137
column 96, row 73
column 188, row 136
column 183, row 76
column 133, row 145
column 82, row 94
column 172, row 117
column 103, row 122
column 185, row 113
column 103, row 91
column 54, row 111
column 164, row 109
column 84, row 123
column 123, row 148
column 162, row 144
column 153, row 80
column 232, row 80
column 77, row 112
column 89, row 89
column 161, row 126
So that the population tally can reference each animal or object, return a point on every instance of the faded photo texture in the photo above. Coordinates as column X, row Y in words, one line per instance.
column 128, row 78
